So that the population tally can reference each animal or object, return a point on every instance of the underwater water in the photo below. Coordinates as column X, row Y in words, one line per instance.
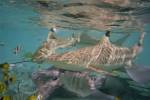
column 25, row 24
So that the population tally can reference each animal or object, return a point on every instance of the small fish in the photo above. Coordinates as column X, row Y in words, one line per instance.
column 2, row 88
column 17, row 49
column 4, row 67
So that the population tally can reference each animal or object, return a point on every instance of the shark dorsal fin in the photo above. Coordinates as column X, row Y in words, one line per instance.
column 104, row 40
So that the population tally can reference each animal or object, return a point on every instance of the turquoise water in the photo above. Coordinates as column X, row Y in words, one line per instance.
column 21, row 24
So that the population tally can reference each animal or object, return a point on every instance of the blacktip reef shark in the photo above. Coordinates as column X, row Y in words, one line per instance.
column 101, row 57
column 71, row 68
column 53, row 43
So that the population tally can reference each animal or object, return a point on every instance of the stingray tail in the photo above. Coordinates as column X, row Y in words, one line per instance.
column 139, row 73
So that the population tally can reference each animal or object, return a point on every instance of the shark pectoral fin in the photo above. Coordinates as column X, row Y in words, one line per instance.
column 139, row 73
